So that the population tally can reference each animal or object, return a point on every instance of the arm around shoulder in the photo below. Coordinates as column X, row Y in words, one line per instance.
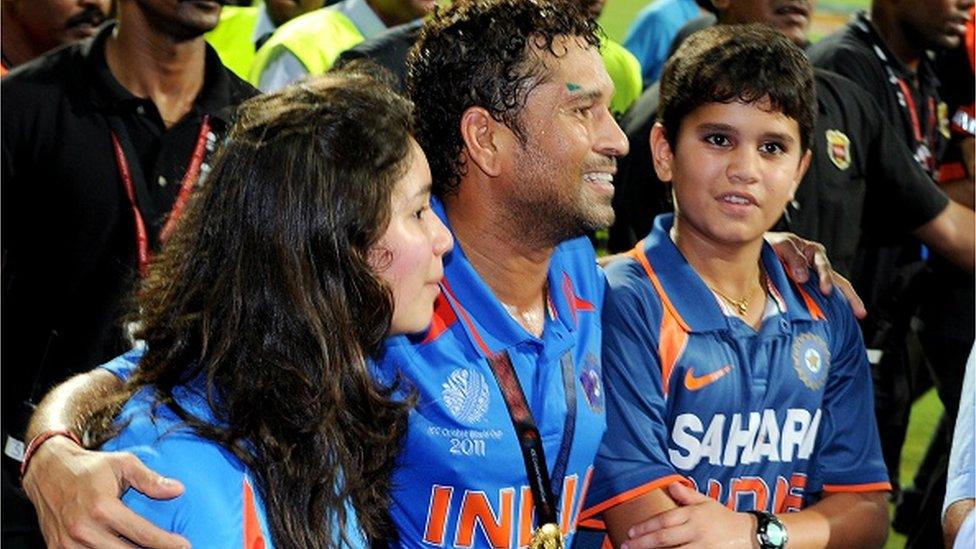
column 76, row 491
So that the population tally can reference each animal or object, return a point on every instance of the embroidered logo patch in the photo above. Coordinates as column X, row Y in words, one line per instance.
column 465, row 394
column 592, row 383
column 839, row 149
column 811, row 359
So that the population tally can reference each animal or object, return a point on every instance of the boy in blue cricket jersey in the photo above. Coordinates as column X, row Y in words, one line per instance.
column 738, row 403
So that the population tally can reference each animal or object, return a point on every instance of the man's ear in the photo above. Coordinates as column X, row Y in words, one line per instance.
column 801, row 171
column 661, row 152
column 481, row 136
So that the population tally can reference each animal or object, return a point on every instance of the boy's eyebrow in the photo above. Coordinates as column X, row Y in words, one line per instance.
column 784, row 137
column 727, row 128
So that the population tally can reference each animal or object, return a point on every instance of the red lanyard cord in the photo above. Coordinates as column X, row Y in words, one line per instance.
column 143, row 252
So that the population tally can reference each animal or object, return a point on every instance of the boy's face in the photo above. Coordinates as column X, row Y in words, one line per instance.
column 733, row 169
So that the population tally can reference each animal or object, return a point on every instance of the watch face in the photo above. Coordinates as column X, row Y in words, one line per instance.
column 776, row 534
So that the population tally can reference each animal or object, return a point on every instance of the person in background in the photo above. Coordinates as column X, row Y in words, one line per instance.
column 650, row 35
column 102, row 142
column 925, row 307
column 244, row 29
column 738, row 404
column 340, row 253
column 34, row 27
column 310, row 43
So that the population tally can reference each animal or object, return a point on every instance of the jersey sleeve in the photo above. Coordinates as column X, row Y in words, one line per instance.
column 124, row 365
column 219, row 507
column 848, row 457
column 632, row 459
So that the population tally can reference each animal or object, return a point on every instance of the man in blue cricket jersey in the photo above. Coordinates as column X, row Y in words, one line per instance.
column 738, row 403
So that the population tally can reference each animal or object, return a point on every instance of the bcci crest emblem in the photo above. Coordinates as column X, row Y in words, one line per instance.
column 591, row 381
column 811, row 359
column 465, row 394
column 839, row 149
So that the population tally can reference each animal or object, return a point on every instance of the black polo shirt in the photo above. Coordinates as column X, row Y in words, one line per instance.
column 69, row 252
column 859, row 53
column 862, row 180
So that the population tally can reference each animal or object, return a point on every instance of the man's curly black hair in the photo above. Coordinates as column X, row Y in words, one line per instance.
column 481, row 53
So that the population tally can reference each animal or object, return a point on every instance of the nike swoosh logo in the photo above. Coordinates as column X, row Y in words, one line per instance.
column 693, row 383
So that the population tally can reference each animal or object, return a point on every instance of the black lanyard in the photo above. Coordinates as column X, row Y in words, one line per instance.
column 545, row 490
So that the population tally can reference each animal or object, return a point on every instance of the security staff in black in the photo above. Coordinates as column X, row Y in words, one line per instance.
column 888, row 53
column 92, row 173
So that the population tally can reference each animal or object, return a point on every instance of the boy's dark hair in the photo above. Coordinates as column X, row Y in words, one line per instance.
column 746, row 63
column 480, row 53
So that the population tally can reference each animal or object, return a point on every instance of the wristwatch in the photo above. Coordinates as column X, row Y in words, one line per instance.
column 770, row 532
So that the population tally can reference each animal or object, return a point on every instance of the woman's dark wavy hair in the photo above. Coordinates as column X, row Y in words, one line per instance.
column 747, row 63
column 481, row 53
column 266, row 290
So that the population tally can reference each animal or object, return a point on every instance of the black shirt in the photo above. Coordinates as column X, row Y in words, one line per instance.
column 69, row 252
column 862, row 179
column 860, row 54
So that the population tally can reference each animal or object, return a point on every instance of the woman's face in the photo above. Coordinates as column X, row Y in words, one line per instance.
column 409, row 255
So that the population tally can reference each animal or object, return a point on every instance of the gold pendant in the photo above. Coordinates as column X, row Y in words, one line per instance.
column 743, row 307
column 547, row 536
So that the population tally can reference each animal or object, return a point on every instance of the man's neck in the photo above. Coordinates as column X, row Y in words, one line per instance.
column 17, row 46
column 907, row 50
column 514, row 270
column 151, row 64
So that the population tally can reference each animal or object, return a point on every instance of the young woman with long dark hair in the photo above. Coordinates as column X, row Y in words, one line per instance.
column 311, row 241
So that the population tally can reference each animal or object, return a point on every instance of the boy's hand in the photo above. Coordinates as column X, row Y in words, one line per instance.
column 76, row 493
column 801, row 255
column 699, row 521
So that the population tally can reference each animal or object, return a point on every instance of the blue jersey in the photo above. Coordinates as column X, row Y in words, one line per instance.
column 221, row 506
column 766, row 419
column 461, row 478
column 649, row 37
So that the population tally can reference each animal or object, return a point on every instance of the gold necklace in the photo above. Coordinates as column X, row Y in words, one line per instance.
column 741, row 305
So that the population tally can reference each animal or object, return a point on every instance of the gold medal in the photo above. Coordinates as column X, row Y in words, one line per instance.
column 547, row 536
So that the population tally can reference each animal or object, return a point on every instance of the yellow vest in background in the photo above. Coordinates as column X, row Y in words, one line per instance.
column 233, row 38
column 625, row 71
column 315, row 38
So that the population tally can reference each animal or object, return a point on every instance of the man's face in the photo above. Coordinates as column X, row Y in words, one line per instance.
column 935, row 24
column 282, row 11
column 562, row 175
column 791, row 17
column 52, row 23
column 183, row 19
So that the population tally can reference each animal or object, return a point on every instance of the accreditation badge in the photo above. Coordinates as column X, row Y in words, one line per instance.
column 839, row 149
column 547, row 536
